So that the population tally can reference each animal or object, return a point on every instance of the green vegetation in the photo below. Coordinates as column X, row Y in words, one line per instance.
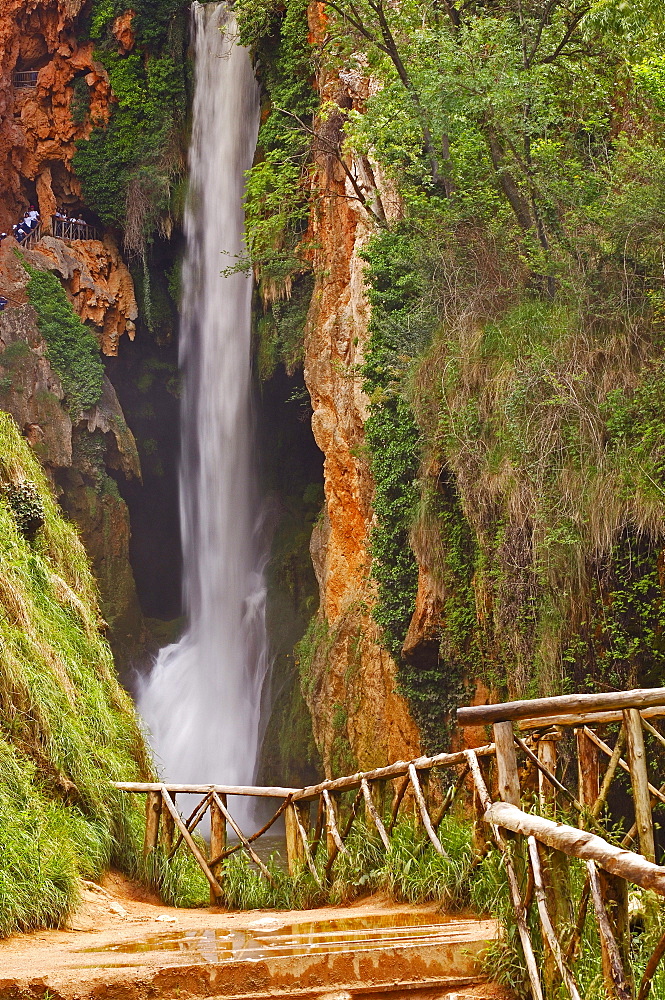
column 80, row 106
column 514, row 367
column 411, row 871
column 66, row 727
column 72, row 349
column 277, row 199
column 132, row 165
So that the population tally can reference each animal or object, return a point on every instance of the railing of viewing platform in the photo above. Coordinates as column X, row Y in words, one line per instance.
column 526, row 816
column 66, row 229
column 24, row 79
column 33, row 237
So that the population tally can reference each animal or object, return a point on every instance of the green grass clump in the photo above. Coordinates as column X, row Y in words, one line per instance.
column 411, row 871
column 72, row 349
column 245, row 888
column 67, row 729
column 417, row 874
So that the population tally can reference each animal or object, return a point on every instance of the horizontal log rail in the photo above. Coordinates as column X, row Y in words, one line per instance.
column 566, row 704
column 143, row 787
column 396, row 770
column 579, row 844
column 587, row 718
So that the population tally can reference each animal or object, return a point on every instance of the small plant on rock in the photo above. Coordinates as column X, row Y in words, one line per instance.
column 26, row 505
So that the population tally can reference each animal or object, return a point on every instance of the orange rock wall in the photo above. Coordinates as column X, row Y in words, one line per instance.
column 351, row 681
column 37, row 134
column 37, row 144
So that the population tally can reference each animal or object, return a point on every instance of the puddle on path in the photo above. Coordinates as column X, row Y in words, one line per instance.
column 269, row 937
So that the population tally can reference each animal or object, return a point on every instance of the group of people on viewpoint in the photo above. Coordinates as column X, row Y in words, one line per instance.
column 78, row 227
column 23, row 228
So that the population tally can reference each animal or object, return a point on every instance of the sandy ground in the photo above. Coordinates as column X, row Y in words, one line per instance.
column 123, row 944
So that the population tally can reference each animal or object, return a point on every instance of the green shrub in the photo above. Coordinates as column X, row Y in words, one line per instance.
column 277, row 200
column 71, row 347
column 131, row 165
column 26, row 506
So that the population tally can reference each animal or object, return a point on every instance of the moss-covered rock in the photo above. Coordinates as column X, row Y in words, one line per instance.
column 67, row 729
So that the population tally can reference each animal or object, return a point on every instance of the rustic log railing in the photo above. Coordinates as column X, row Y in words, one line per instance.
column 24, row 79
column 506, row 817
column 33, row 237
column 66, row 229
column 544, row 719
column 296, row 805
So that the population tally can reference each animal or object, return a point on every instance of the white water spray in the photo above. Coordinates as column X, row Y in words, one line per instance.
column 202, row 700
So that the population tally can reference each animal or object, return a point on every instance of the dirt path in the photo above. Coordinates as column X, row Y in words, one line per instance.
column 123, row 944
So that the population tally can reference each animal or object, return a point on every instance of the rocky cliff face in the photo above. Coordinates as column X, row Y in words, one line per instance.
column 349, row 680
column 39, row 127
column 44, row 70
column 76, row 450
column 37, row 132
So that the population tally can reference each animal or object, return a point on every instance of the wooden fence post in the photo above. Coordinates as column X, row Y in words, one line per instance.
column 506, row 760
column 381, row 797
column 168, row 826
column 295, row 848
column 217, row 844
column 373, row 814
column 423, row 781
column 555, row 870
column 153, row 810
column 588, row 770
column 334, row 844
column 615, row 976
column 547, row 755
column 611, row 889
column 479, row 837
column 333, row 840
column 637, row 762
column 399, row 792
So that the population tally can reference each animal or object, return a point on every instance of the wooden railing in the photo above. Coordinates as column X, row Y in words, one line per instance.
column 33, row 237
column 64, row 229
column 544, row 719
column 23, row 79
column 296, row 809
column 521, row 769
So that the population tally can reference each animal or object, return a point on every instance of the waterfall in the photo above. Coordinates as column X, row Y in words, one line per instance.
column 201, row 702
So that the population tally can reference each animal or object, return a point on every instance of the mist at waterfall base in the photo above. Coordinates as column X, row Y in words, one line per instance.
column 202, row 700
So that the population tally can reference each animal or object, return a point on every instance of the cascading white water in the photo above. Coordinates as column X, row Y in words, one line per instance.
column 201, row 702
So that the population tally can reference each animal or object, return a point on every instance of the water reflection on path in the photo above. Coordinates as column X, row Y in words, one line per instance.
column 269, row 937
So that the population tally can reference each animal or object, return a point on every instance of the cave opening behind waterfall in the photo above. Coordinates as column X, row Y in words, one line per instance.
column 145, row 377
column 291, row 471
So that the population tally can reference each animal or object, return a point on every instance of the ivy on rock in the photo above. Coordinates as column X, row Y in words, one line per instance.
column 71, row 347
column 131, row 165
